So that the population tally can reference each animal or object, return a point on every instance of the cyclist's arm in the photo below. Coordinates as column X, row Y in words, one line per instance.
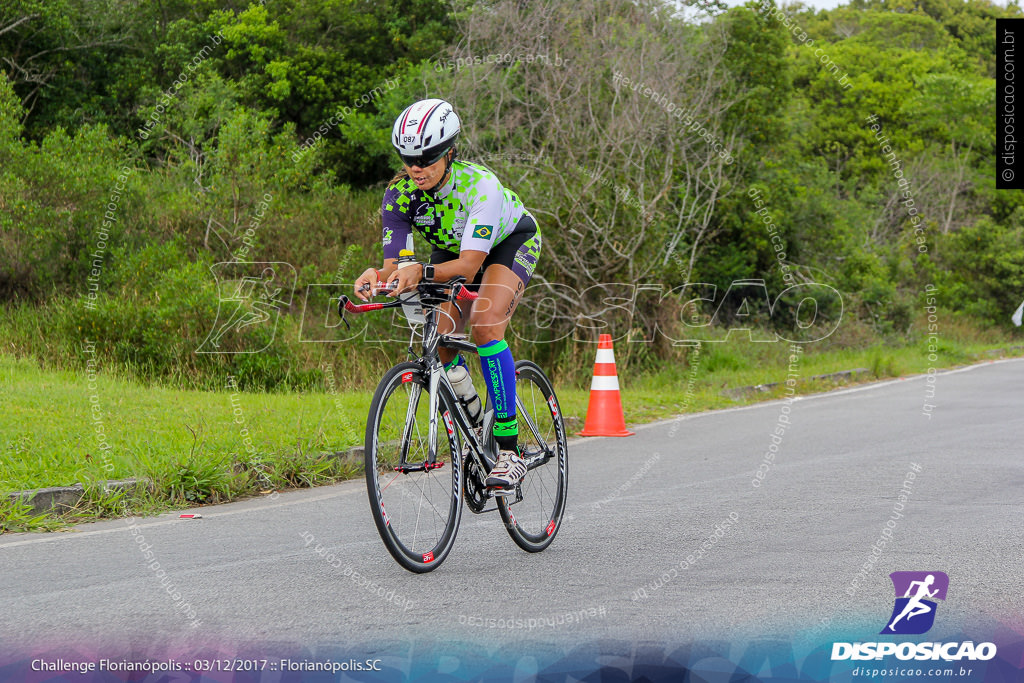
column 484, row 217
column 479, row 234
column 396, row 234
column 467, row 265
column 396, row 227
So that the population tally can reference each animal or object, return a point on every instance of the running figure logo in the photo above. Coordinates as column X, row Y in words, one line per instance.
column 252, row 296
column 914, row 612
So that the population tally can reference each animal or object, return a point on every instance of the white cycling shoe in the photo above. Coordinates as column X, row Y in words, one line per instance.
column 507, row 473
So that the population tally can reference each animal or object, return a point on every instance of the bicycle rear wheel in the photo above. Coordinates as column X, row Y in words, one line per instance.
column 416, row 501
column 533, row 515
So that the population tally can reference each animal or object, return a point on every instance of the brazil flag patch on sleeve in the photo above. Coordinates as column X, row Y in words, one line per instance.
column 483, row 231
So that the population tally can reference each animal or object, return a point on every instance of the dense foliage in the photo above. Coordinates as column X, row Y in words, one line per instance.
column 143, row 143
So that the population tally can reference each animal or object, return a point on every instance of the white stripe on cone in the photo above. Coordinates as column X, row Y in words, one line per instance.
column 605, row 356
column 604, row 383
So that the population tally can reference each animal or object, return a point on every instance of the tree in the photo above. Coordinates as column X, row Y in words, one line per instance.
column 606, row 116
column 303, row 61
column 957, row 113
column 47, row 45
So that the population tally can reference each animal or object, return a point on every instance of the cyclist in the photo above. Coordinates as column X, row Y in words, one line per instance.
column 478, row 229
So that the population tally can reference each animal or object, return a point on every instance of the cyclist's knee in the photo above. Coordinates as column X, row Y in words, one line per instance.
column 484, row 332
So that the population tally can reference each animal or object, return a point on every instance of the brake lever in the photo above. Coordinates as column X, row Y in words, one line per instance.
column 342, row 302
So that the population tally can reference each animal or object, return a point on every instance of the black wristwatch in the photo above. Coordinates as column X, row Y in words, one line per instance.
column 428, row 272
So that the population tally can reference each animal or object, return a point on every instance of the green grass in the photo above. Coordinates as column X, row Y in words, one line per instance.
column 16, row 516
column 195, row 447
column 207, row 447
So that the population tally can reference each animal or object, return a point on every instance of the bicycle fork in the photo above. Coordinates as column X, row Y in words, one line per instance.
column 478, row 450
column 434, row 387
column 430, row 462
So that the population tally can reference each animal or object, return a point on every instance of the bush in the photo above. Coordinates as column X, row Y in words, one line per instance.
column 984, row 267
column 155, row 316
column 56, row 195
column 156, row 304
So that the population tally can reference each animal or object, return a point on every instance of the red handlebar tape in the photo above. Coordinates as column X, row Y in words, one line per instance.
column 362, row 308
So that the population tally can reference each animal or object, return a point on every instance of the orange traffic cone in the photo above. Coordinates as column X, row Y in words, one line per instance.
column 604, row 412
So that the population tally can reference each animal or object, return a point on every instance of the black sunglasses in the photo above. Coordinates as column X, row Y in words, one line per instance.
column 423, row 161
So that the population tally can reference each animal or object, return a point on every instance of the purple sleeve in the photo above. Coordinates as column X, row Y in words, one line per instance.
column 396, row 224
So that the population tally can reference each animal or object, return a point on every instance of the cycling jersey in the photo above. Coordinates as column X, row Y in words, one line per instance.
column 471, row 211
column 518, row 252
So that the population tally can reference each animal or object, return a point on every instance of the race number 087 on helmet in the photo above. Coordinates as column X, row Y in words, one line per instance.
column 425, row 131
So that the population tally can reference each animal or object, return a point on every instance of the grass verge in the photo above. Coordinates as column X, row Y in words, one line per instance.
column 198, row 447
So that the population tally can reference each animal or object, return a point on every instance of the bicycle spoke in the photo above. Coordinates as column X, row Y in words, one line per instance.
column 416, row 507
column 530, row 423
column 538, row 507
column 392, row 480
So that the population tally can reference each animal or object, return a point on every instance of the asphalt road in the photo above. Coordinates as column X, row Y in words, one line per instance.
column 638, row 507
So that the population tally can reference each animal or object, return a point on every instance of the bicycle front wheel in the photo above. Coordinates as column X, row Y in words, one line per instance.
column 534, row 514
column 415, row 498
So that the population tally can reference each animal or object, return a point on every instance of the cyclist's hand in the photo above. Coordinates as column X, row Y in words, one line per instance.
column 369, row 277
column 406, row 278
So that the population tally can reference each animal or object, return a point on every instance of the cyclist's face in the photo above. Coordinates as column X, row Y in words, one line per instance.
column 426, row 177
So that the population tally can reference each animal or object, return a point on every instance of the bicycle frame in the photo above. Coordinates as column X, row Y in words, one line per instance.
column 482, row 455
column 542, row 497
column 431, row 341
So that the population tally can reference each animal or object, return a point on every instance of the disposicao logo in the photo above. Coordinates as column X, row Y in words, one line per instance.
column 912, row 614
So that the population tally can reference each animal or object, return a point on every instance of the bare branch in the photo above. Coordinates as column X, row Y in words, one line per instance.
column 14, row 25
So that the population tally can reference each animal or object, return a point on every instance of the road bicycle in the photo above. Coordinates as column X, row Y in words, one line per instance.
column 424, row 456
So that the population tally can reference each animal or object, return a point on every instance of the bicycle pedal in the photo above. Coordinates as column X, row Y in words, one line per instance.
column 498, row 492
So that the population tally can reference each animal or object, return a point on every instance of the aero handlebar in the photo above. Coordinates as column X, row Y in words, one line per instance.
column 458, row 292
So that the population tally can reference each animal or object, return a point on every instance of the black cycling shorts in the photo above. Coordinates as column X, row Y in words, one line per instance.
column 518, row 252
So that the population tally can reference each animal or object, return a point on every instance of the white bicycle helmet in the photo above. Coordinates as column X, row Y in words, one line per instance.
column 425, row 131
